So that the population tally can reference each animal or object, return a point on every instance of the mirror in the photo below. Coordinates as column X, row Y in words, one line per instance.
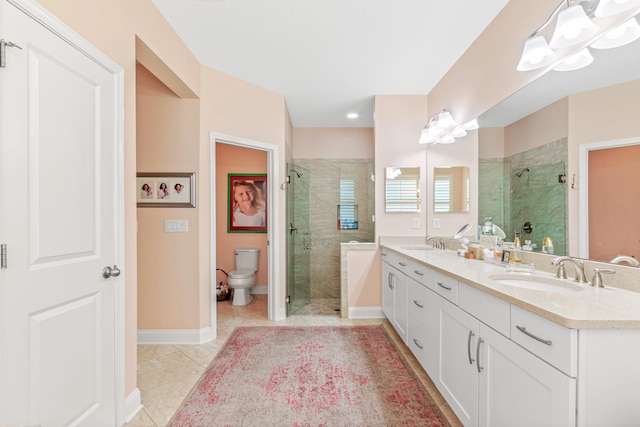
column 610, row 67
column 451, row 189
column 402, row 189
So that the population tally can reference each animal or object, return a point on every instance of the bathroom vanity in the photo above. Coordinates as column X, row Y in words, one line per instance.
column 507, row 352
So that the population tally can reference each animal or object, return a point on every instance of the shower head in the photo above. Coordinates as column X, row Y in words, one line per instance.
column 298, row 174
column 519, row 173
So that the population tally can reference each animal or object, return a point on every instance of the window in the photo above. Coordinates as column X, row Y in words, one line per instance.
column 442, row 193
column 347, row 209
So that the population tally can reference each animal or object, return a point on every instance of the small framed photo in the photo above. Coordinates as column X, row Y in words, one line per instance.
column 247, row 207
column 506, row 256
column 166, row 190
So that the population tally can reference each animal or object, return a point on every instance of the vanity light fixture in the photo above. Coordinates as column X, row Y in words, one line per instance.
column 574, row 26
column 620, row 36
column 443, row 129
column 613, row 7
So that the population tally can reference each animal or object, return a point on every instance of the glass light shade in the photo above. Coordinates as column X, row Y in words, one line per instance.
column 613, row 7
column 577, row 61
column 573, row 26
column 624, row 34
column 426, row 136
column 536, row 54
column 447, row 139
column 445, row 120
column 471, row 125
column 458, row 132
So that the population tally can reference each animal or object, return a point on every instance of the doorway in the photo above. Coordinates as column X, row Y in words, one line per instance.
column 298, row 239
column 275, row 308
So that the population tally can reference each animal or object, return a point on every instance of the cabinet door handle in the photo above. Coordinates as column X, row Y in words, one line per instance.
column 390, row 281
column 480, row 368
column 419, row 273
column 471, row 335
column 443, row 286
column 529, row 334
column 402, row 263
column 417, row 343
column 416, row 302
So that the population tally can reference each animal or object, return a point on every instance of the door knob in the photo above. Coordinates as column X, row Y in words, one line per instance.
column 110, row 272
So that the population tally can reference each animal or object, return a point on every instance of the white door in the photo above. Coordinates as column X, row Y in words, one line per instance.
column 59, row 217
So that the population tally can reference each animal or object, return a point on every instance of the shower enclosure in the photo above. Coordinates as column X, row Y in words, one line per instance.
column 298, row 239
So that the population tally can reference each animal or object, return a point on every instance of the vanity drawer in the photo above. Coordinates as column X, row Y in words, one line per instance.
column 395, row 260
column 423, row 305
column 446, row 286
column 488, row 309
column 422, row 274
column 552, row 342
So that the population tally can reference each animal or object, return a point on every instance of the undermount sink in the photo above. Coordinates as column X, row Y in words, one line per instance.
column 536, row 283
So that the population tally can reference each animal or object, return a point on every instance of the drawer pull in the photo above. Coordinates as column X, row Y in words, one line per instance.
column 383, row 254
column 471, row 335
column 417, row 343
column 480, row 368
column 416, row 302
column 419, row 273
column 529, row 334
column 402, row 263
column 443, row 286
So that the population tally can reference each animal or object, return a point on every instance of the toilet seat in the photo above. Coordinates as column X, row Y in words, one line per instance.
column 241, row 274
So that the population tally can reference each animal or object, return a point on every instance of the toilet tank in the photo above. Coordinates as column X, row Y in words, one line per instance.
column 247, row 259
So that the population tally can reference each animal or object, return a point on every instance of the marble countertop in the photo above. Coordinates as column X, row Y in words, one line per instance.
column 577, row 306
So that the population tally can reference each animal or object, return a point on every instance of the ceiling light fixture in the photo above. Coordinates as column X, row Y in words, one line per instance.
column 443, row 129
column 352, row 115
column 573, row 27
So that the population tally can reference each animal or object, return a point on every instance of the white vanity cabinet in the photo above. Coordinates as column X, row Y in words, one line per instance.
column 487, row 379
column 498, row 364
column 395, row 293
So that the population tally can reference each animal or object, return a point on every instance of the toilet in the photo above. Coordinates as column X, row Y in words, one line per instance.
column 243, row 276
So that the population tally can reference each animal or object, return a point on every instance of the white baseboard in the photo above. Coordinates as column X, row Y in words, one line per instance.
column 132, row 405
column 366, row 313
column 175, row 336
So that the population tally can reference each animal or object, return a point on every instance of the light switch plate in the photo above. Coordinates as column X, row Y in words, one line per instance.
column 416, row 222
column 176, row 225
column 436, row 222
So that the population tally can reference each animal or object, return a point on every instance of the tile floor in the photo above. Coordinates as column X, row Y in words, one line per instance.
column 166, row 373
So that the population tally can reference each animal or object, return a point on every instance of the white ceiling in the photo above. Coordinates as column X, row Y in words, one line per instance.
column 330, row 57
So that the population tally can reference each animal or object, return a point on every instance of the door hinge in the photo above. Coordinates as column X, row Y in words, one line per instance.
column 3, row 256
column 288, row 299
column 3, row 48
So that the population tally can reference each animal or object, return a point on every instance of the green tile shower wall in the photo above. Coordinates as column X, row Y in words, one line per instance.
column 536, row 196
column 324, row 191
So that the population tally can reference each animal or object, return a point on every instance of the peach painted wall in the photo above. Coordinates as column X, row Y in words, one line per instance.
column 399, row 119
column 333, row 143
column 167, row 134
column 234, row 107
column 234, row 159
column 491, row 143
column 112, row 26
column 544, row 126
column 614, row 175
column 364, row 274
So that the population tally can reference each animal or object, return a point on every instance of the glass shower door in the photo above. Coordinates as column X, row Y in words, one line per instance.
column 298, row 240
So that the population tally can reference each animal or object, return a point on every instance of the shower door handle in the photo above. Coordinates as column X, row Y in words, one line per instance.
column 292, row 228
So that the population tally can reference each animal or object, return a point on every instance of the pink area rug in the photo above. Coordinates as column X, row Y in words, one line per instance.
column 309, row 376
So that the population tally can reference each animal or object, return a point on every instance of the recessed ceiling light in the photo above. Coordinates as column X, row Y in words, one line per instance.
column 352, row 115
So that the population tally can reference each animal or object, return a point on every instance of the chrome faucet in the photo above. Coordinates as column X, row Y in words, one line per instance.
column 578, row 267
column 437, row 242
